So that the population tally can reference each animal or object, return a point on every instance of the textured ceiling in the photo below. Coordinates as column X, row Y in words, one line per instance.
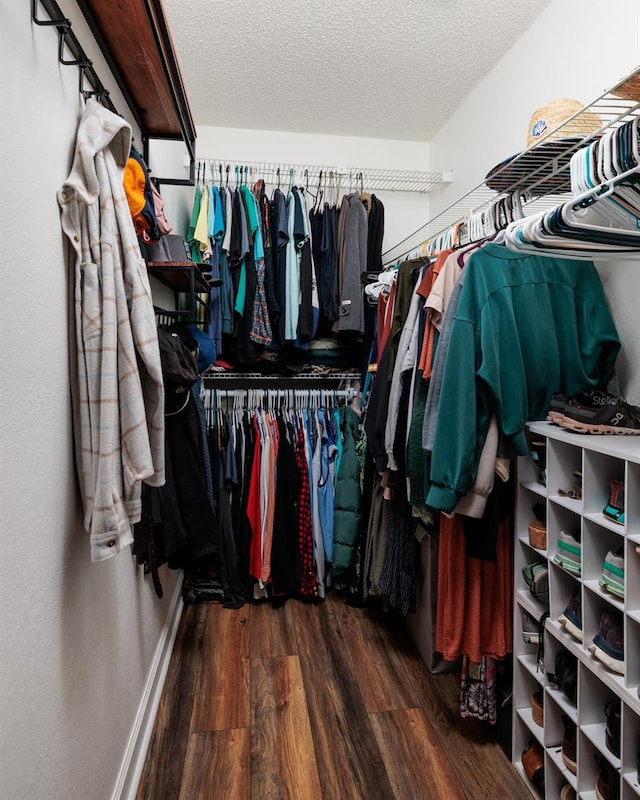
column 374, row 68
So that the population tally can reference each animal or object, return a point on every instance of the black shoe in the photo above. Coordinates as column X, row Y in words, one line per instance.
column 598, row 412
column 569, row 744
column 608, row 783
column 612, row 733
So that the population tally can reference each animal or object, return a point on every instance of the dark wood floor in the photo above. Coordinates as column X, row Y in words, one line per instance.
column 307, row 702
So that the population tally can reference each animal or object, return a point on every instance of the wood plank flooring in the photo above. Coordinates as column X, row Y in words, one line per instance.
column 313, row 702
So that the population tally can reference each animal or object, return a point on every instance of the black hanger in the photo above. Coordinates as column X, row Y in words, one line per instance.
column 228, row 168
column 318, row 198
column 278, row 176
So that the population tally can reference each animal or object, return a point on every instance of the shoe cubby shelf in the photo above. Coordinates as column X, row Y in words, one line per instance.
column 570, row 496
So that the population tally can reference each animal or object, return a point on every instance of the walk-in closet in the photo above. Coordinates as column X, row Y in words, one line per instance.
column 320, row 470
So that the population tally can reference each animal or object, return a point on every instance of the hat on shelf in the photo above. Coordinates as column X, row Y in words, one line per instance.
column 553, row 131
column 629, row 89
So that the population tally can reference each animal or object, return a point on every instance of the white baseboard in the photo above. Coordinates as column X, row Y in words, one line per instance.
column 131, row 768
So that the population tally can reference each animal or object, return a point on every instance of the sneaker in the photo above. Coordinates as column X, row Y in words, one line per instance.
column 612, row 577
column 614, row 510
column 569, row 744
column 608, row 643
column 571, row 617
column 530, row 629
column 568, row 792
column 569, row 551
column 560, row 403
column 538, row 452
column 598, row 412
column 608, row 783
column 612, row 732
column 556, row 408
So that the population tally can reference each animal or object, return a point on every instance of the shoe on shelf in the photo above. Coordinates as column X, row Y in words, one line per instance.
column 533, row 764
column 568, row 792
column 537, row 709
column 608, row 643
column 530, row 629
column 612, row 577
column 608, row 783
column 569, row 551
column 538, row 527
column 536, row 576
column 599, row 412
column 614, row 510
column 556, row 408
column 565, row 675
column 572, row 494
column 569, row 744
column 538, row 451
column 538, row 535
column 571, row 617
column 612, row 732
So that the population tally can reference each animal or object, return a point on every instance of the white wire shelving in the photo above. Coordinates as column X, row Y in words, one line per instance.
column 331, row 176
column 539, row 176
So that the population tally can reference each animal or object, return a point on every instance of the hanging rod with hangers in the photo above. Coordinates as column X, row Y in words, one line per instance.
column 247, row 380
column 356, row 178
column 545, row 181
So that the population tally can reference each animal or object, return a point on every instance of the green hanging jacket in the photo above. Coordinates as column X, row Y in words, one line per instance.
column 348, row 496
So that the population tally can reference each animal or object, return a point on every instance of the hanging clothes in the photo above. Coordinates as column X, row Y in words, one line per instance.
column 352, row 262
column 543, row 323
column 116, row 376
column 348, row 496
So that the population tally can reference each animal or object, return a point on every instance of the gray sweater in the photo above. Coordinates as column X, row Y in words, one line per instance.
column 352, row 261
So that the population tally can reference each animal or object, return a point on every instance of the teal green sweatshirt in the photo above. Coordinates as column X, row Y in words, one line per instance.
column 526, row 327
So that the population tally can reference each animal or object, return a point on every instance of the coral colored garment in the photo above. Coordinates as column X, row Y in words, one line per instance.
column 270, row 498
column 426, row 352
column 474, row 615
column 385, row 315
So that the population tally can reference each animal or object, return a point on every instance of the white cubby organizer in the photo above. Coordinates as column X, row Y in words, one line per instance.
column 601, row 459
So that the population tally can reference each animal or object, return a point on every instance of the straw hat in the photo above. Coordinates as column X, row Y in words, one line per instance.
column 553, row 128
column 629, row 89
column 545, row 120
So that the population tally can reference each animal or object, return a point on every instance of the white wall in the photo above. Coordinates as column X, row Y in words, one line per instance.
column 558, row 56
column 77, row 639
column 404, row 211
